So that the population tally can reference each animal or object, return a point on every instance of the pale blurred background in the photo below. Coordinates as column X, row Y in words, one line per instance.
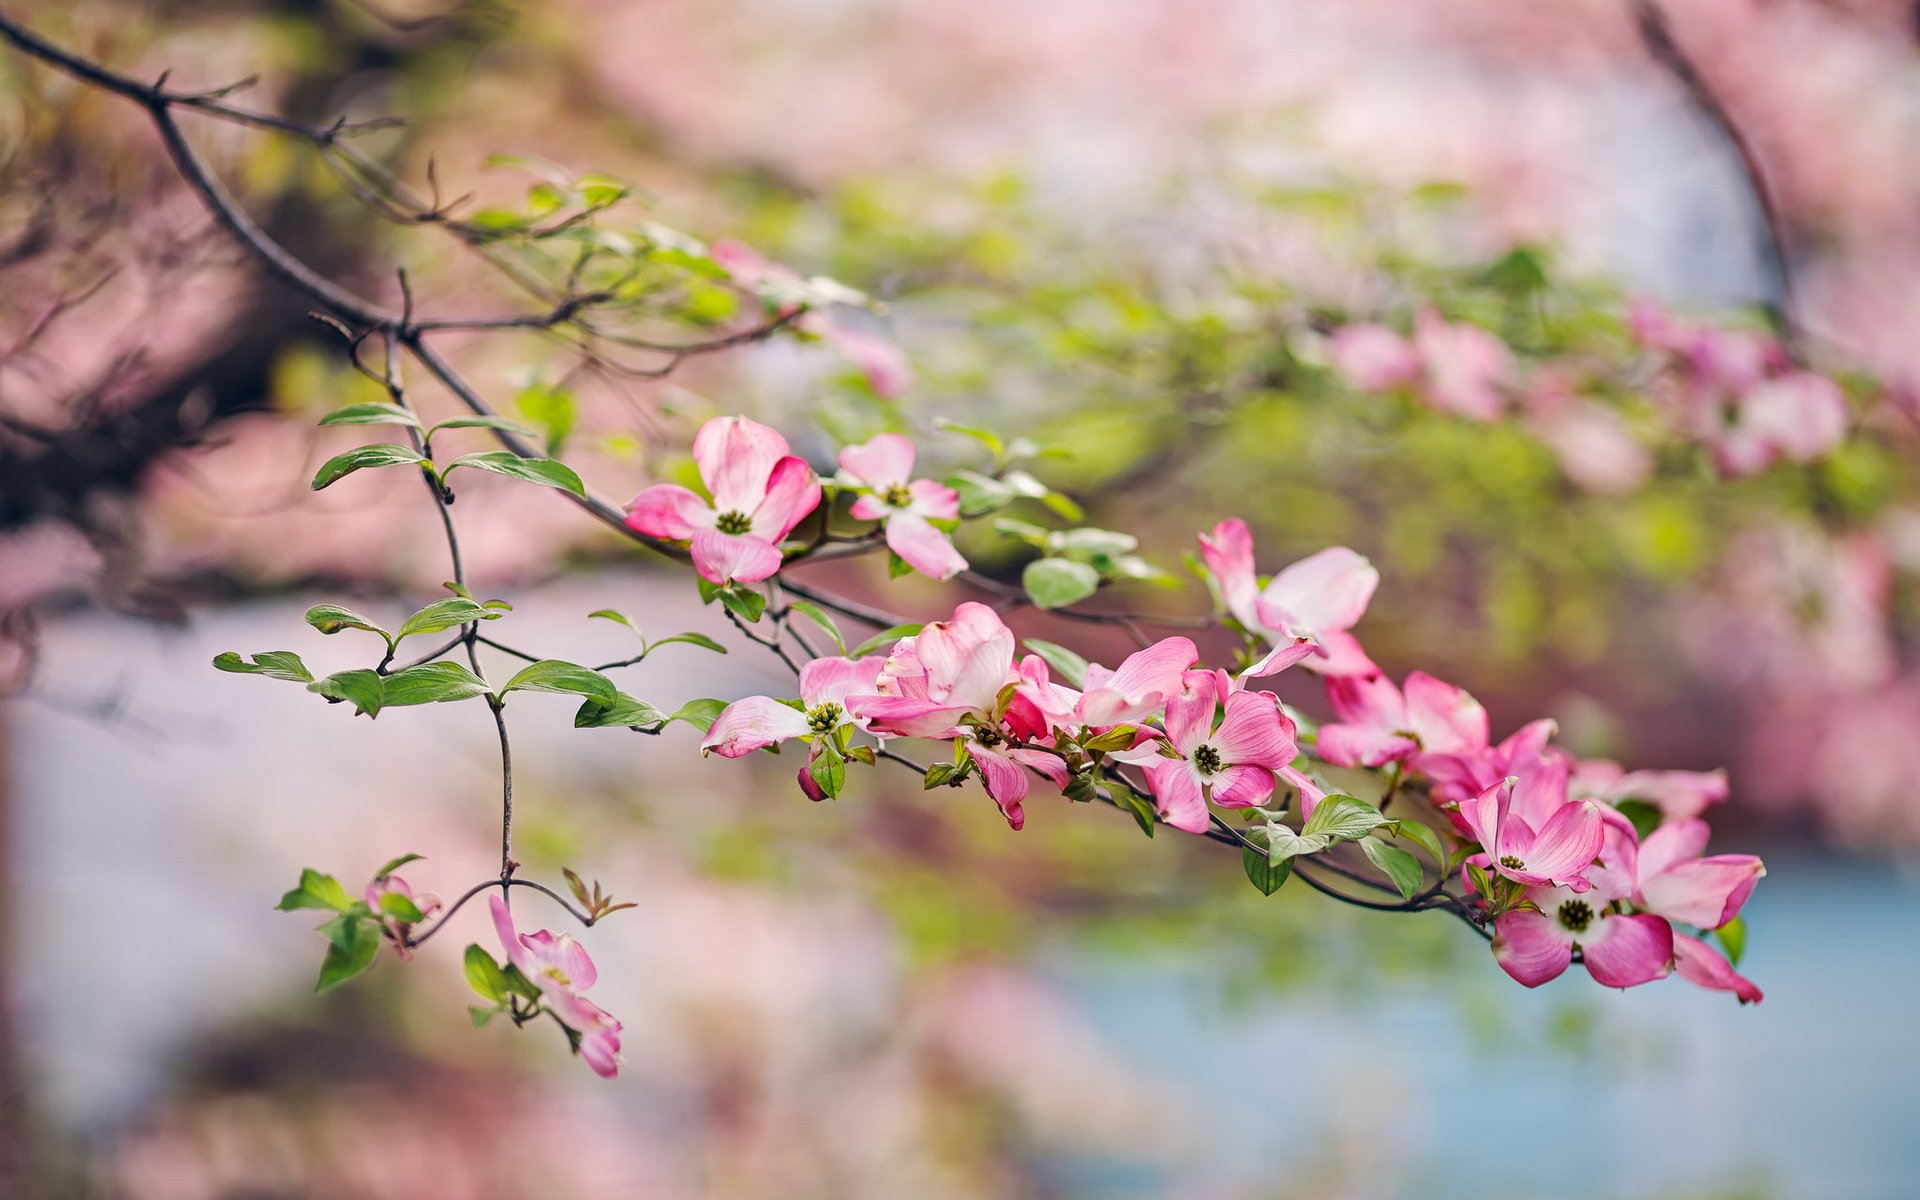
column 1084, row 216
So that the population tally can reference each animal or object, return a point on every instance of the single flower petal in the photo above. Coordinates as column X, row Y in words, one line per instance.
column 1564, row 849
column 509, row 938
column 1228, row 554
column 753, row 724
column 1339, row 654
column 792, row 492
column 922, row 547
column 1701, row 964
column 1311, row 793
column 727, row 558
column 1004, row 781
column 1707, row 892
column 1445, row 717
column 1325, row 591
column 882, row 461
column 669, row 511
column 1045, row 762
column 1242, row 786
column 1670, row 845
column 1254, row 732
column 1177, row 795
column 907, row 716
column 967, row 658
column 1361, row 746
column 1531, row 947
column 934, row 500
column 1370, row 700
column 1626, row 951
column 735, row 456
column 832, row 680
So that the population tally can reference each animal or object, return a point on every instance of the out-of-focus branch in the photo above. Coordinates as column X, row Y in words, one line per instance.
column 1656, row 33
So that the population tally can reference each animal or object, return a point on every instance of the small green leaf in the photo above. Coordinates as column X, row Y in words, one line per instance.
column 484, row 976
column 519, row 984
column 985, row 437
column 1424, row 838
column 544, row 471
column 618, row 618
column 692, row 639
column 701, row 714
column 938, row 774
column 316, row 891
column 384, row 454
column 553, row 675
column 378, row 413
column 886, row 637
column 743, row 602
column 274, row 664
column 979, row 494
column 401, row 909
column 361, row 688
column 1070, row 667
column 1144, row 814
column 828, row 769
column 431, row 683
column 445, row 614
column 1058, row 582
column 813, row 612
column 503, row 424
column 551, row 408
column 624, row 711
column 1344, row 818
column 1401, row 868
column 332, row 618
column 341, row 965
column 480, row 1016
column 395, row 864
column 1264, row 873
column 1733, row 936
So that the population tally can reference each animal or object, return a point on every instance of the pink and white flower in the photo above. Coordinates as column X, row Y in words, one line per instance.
column 1798, row 416
column 560, row 967
column 426, row 903
column 1619, row 949
column 1233, row 764
column 883, row 467
column 1532, row 834
column 759, row 491
column 1667, row 875
column 1380, row 724
column 1305, row 610
column 826, row 687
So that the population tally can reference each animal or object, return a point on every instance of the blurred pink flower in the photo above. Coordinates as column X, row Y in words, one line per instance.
column 883, row 466
column 559, row 966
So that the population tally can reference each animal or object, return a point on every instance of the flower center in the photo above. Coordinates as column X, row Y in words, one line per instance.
column 733, row 522
column 823, row 718
column 1576, row 915
column 987, row 737
column 1511, row 863
column 557, row 975
column 1206, row 760
column 898, row 496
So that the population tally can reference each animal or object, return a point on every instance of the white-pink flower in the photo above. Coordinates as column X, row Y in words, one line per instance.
column 759, row 492
column 560, row 967
column 826, row 686
column 883, row 467
column 1233, row 763
column 1305, row 611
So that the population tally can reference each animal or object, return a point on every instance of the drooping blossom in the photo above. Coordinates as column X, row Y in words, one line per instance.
column 1139, row 687
column 560, row 967
column 826, row 687
column 1317, row 599
column 1702, row 965
column 1233, row 764
column 883, row 466
column 1379, row 723
column 1532, row 833
column 1619, row 949
column 759, row 492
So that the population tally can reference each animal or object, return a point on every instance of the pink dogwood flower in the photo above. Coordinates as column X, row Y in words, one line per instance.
column 1233, row 764
column 392, row 885
column 1465, row 367
column 1532, row 834
column 1619, row 949
column 1139, row 688
column 760, row 492
column 1305, row 610
column 1679, row 795
column 827, row 687
column 1798, row 416
column 559, row 966
column 883, row 466
column 1666, row 874
column 1380, row 724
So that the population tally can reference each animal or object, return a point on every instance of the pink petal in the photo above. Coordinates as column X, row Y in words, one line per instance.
column 726, row 558
column 832, row 680
column 1189, row 718
column 1159, row 668
column 792, row 491
column 1541, row 791
column 1311, row 793
column 906, row 716
column 1674, row 793
column 1361, row 746
column 753, row 724
column 1255, row 732
column 1801, row 414
column 1671, row 844
column 1566, row 847
column 1004, row 781
column 1242, row 787
column 1370, row 700
column 666, row 510
column 1707, row 892
column 1464, row 367
column 934, row 500
column 922, row 547
column 809, row 786
column 883, row 363
column 600, row 1050
column 1701, row 964
column 1626, row 951
column 1228, row 554
column 735, row 456
column 1282, row 656
column 1531, row 947
column 870, row 508
column 1326, row 591
column 879, row 463
column 503, row 926
column 1340, row 654
column 1485, row 813
column 1446, row 718
column 967, row 658
column 576, row 964
column 1176, row 793
column 1373, row 358
column 1046, row 762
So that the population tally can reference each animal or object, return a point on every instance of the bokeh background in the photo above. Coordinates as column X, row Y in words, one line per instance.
column 1117, row 226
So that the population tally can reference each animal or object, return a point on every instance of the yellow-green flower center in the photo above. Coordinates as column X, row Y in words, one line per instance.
column 733, row 522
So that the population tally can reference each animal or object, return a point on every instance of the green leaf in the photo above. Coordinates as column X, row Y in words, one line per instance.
column 813, row 612
column 544, row 471
column 343, row 931
column 484, row 975
column 445, row 614
column 379, row 413
column 985, row 437
column 1091, row 545
column 1264, row 873
column 432, row 683
column 618, row 618
column 1645, row 816
column 551, row 408
column 316, row 891
column 979, row 494
column 1424, row 838
column 1283, row 843
column 480, row 1016
column 519, row 984
column 743, row 602
column 1144, row 814
column 553, row 675
column 624, row 711
column 828, row 769
column 886, row 637
column 1058, row 582
column 341, row 965
column 692, row 639
column 938, row 774
column 395, row 864
column 383, row 454
column 401, row 909
column 1733, row 937
column 274, row 664
column 1068, row 666
column 701, row 714
column 1401, row 868
column 1344, row 818
column 332, row 618
column 503, row 424
column 361, row 688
